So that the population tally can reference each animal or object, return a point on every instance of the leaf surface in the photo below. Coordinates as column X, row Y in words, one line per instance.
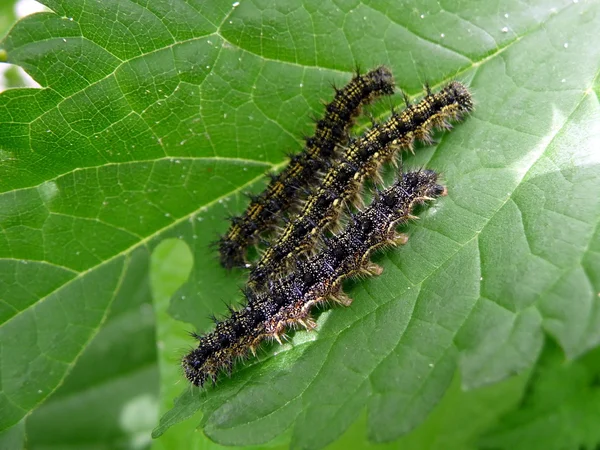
column 154, row 117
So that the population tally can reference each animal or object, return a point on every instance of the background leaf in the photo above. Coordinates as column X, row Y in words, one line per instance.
column 560, row 410
column 13, row 76
column 456, row 422
column 110, row 398
column 7, row 15
column 153, row 118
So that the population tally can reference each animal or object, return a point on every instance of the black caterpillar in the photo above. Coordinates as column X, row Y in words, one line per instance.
column 287, row 301
column 362, row 159
column 304, row 168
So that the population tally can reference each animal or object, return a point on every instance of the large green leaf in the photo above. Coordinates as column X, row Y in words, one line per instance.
column 154, row 116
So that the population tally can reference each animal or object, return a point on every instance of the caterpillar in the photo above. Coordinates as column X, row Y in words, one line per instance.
column 287, row 300
column 303, row 169
column 362, row 159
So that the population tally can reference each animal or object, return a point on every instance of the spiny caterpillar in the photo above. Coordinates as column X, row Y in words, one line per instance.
column 362, row 159
column 303, row 169
column 287, row 301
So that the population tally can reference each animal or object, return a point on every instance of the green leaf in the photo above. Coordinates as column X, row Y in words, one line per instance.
column 7, row 15
column 456, row 422
column 153, row 118
column 171, row 263
column 561, row 408
column 110, row 398
column 13, row 438
column 10, row 77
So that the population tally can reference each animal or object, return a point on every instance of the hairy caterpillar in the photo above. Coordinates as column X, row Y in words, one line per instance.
column 303, row 169
column 287, row 300
column 362, row 159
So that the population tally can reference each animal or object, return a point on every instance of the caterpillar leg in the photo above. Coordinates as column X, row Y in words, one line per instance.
column 342, row 298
